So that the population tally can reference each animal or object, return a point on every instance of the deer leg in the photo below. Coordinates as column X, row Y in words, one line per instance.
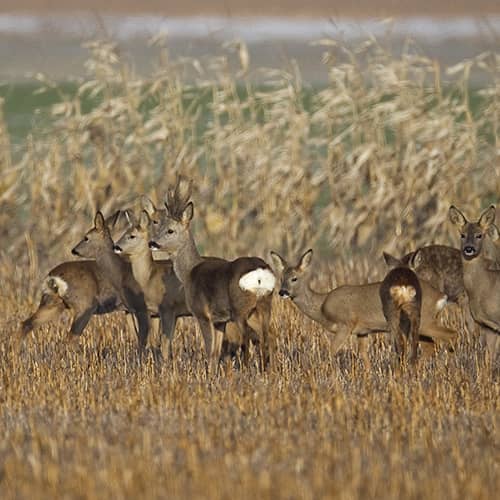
column 414, row 327
column 394, row 323
column 219, row 331
column 427, row 346
column 340, row 337
column 410, row 314
column 208, row 331
column 167, row 322
column 491, row 339
column 136, row 304
column 470, row 324
column 362, row 344
column 246, row 332
column 80, row 320
column 50, row 307
column 143, row 329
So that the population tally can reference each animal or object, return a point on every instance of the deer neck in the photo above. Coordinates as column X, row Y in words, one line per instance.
column 185, row 259
column 476, row 271
column 142, row 266
column 110, row 265
column 311, row 303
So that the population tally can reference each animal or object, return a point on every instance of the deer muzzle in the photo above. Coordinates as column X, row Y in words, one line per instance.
column 469, row 252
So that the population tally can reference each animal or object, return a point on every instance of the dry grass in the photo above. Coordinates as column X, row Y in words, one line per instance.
column 371, row 163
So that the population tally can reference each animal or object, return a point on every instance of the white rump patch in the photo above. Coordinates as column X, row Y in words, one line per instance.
column 441, row 303
column 259, row 281
column 403, row 294
column 55, row 284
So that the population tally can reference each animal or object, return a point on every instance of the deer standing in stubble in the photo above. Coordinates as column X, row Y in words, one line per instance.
column 163, row 292
column 401, row 297
column 97, row 244
column 90, row 287
column 351, row 309
column 481, row 279
column 217, row 291
column 441, row 266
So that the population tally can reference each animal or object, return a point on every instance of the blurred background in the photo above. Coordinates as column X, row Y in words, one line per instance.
column 46, row 35
column 348, row 125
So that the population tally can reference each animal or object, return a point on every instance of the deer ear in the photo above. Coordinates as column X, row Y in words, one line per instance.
column 416, row 259
column 147, row 205
column 278, row 261
column 99, row 222
column 144, row 220
column 305, row 260
column 187, row 213
column 493, row 232
column 456, row 217
column 390, row 260
column 487, row 217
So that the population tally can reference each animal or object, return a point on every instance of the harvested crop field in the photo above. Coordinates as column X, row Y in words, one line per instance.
column 368, row 162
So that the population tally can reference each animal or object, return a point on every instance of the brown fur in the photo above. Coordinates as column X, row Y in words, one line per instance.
column 350, row 309
column 401, row 297
column 481, row 281
column 115, row 272
column 211, row 284
column 163, row 292
column 86, row 294
column 441, row 266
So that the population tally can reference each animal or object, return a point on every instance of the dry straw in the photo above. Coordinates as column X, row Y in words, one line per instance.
column 370, row 162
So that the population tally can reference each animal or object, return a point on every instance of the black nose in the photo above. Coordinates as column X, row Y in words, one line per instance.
column 469, row 250
column 154, row 245
column 117, row 248
column 74, row 252
column 284, row 293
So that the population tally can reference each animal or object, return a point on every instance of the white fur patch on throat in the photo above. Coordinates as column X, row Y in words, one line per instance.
column 55, row 284
column 259, row 281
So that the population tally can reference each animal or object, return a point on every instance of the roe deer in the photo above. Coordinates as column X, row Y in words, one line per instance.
column 401, row 297
column 351, row 309
column 78, row 287
column 481, row 280
column 115, row 272
column 217, row 291
column 163, row 292
column 441, row 266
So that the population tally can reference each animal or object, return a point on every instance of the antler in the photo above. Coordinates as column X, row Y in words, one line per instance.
column 177, row 197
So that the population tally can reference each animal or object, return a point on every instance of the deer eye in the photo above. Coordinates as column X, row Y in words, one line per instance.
column 294, row 279
column 462, row 236
column 170, row 231
column 131, row 236
column 479, row 236
column 86, row 238
column 155, row 222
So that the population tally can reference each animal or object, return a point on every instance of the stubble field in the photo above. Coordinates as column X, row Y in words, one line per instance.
column 369, row 162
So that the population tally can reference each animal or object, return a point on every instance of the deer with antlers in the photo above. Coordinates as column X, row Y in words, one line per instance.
column 217, row 290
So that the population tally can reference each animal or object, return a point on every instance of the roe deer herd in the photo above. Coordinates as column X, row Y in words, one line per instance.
column 149, row 266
